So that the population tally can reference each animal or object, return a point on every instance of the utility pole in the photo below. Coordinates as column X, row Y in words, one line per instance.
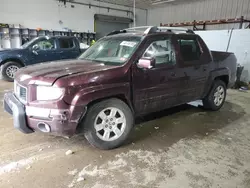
column 134, row 15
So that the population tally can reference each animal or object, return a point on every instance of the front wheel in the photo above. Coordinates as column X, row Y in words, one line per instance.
column 216, row 97
column 9, row 69
column 108, row 123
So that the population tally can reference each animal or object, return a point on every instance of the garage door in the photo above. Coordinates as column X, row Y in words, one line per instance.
column 105, row 24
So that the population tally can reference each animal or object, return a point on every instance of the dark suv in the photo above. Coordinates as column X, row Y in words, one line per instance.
column 39, row 49
column 128, row 73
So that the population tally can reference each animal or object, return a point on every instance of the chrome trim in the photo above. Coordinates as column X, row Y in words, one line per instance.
column 148, row 29
column 173, row 28
column 44, row 129
column 18, row 94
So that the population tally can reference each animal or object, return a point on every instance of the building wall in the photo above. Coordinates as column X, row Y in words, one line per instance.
column 238, row 43
column 200, row 10
column 46, row 14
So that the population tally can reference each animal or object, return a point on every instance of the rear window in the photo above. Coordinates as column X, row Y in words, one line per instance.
column 190, row 49
column 66, row 43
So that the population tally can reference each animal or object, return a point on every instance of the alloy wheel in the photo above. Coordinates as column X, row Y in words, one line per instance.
column 11, row 70
column 219, row 95
column 110, row 124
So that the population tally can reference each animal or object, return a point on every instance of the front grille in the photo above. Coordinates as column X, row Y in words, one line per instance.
column 23, row 93
column 20, row 92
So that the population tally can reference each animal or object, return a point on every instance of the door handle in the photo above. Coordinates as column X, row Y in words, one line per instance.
column 197, row 67
column 35, row 52
column 173, row 74
column 205, row 68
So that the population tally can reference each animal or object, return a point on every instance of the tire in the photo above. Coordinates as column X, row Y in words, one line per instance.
column 212, row 102
column 104, row 130
column 9, row 69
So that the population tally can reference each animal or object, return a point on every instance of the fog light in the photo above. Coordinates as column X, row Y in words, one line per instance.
column 43, row 127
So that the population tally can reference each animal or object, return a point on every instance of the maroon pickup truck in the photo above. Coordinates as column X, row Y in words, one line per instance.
column 128, row 73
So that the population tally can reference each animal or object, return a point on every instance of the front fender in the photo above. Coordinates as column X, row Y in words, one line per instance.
column 17, row 58
column 90, row 94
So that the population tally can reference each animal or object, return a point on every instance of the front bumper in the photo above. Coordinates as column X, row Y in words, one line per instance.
column 13, row 106
column 62, row 122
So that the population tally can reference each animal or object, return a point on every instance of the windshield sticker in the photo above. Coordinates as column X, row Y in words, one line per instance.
column 128, row 43
column 123, row 59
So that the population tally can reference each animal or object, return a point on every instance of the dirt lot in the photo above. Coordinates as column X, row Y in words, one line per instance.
column 178, row 148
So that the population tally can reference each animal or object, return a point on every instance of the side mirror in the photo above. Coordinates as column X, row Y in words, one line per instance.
column 145, row 63
column 35, row 48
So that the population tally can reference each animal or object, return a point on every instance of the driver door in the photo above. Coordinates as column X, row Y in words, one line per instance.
column 157, row 88
column 45, row 51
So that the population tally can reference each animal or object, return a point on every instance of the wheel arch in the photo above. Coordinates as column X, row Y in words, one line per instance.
column 87, row 100
column 95, row 137
column 14, row 60
column 221, row 74
column 121, row 97
column 94, row 94
column 224, row 78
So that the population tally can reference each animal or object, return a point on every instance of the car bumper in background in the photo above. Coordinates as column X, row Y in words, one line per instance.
column 62, row 122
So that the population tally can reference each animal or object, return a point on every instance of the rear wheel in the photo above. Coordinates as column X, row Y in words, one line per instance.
column 9, row 69
column 108, row 123
column 216, row 97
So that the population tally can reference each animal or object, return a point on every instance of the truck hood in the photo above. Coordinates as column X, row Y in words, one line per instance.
column 48, row 73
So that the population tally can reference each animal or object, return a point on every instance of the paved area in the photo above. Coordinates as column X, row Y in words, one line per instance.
column 179, row 148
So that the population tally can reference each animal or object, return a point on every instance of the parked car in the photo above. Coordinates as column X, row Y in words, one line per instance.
column 40, row 49
column 120, row 77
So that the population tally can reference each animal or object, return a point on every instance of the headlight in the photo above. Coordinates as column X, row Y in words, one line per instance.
column 44, row 93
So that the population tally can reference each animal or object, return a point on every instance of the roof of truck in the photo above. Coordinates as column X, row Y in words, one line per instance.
column 146, row 30
column 52, row 37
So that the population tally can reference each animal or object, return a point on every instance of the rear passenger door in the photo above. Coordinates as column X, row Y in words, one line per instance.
column 194, row 61
column 68, row 48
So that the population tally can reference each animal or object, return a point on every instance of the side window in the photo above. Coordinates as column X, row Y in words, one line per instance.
column 45, row 44
column 162, row 51
column 190, row 49
column 66, row 43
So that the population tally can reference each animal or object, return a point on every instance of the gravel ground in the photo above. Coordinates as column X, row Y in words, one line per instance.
column 178, row 148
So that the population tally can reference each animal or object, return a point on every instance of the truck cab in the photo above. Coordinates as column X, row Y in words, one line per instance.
column 128, row 73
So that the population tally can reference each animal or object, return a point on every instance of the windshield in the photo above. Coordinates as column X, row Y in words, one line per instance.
column 112, row 50
column 25, row 45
